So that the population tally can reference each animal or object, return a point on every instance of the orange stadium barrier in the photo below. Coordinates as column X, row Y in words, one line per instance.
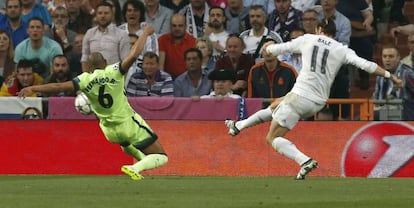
column 203, row 148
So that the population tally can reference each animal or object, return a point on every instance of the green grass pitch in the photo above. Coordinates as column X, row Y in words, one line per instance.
column 203, row 192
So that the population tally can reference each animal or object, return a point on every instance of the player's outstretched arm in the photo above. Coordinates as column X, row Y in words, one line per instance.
column 47, row 88
column 382, row 72
column 137, row 48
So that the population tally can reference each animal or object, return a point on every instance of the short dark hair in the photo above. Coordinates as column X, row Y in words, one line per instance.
column 137, row 5
column 7, row 3
column 36, row 19
column 193, row 50
column 104, row 4
column 24, row 63
column 59, row 56
column 217, row 7
column 328, row 26
column 151, row 55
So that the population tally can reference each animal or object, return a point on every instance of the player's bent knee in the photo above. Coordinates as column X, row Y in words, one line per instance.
column 279, row 143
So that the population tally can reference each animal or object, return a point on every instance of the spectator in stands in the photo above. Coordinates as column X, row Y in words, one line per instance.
column 79, row 20
column 175, row 5
column 217, row 3
column 270, row 79
column 304, row 5
column 216, row 31
column 158, row 16
column 150, row 80
column 75, row 57
column 405, row 30
column 342, row 23
column 409, row 60
column 204, row 45
column 38, row 48
column 117, row 18
column 384, row 88
column 310, row 21
column 223, row 80
column 23, row 77
column 60, row 73
column 59, row 31
column 358, row 12
column 6, row 56
column 235, row 59
column 196, row 14
column 32, row 9
column 106, row 38
column 13, row 22
column 284, row 18
column 268, row 5
column 173, row 45
column 192, row 83
column 255, row 37
column 32, row 113
column 134, row 13
column 293, row 59
column 237, row 16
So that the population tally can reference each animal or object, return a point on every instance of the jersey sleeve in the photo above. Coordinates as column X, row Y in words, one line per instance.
column 353, row 59
column 292, row 46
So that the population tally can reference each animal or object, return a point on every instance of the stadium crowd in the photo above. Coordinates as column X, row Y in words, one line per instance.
column 50, row 41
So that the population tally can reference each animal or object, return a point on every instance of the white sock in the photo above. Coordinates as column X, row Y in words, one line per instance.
column 288, row 149
column 150, row 161
column 259, row 117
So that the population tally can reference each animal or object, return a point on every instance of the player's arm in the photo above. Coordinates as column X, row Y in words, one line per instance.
column 136, row 49
column 382, row 72
column 370, row 67
column 47, row 88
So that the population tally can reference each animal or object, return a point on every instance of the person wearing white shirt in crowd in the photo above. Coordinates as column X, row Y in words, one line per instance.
column 134, row 13
column 217, row 35
column 303, row 5
column 268, row 5
column 223, row 80
column 322, row 58
column 254, row 38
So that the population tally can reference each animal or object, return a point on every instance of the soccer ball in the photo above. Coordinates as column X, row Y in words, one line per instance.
column 82, row 104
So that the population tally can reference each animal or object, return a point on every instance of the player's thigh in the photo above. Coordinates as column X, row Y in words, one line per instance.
column 275, row 130
column 154, row 148
column 285, row 113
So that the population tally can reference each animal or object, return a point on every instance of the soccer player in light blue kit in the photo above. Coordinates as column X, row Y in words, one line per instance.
column 322, row 58
column 104, row 87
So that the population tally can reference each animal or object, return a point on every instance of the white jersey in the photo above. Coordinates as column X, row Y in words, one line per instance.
column 322, row 58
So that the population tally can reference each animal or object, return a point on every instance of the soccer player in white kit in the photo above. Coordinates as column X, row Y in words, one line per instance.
column 322, row 58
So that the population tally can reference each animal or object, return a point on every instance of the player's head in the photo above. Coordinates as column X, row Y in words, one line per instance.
column 96, row 61
column 327, row 27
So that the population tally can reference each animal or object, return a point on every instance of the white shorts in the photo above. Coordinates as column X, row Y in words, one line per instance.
column 294, row 107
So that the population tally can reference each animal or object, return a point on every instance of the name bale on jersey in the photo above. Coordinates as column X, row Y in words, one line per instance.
column 326, row 42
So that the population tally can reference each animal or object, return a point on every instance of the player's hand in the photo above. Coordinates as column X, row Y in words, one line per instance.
column 27, row 91
column 264, row 47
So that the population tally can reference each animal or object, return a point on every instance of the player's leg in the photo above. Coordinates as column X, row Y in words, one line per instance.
column 134, row 152
column 144, row 140
column 284, row 119
column 258, row 117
